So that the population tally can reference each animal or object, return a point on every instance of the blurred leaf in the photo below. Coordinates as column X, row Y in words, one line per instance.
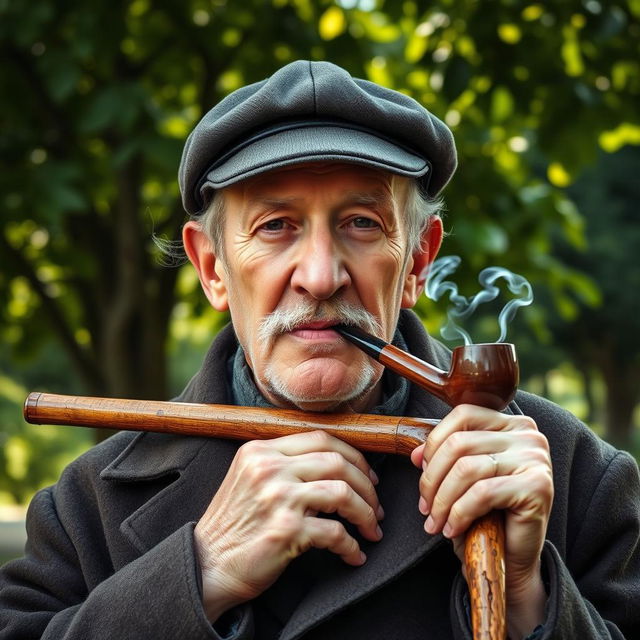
column 501, row 104
column 61, row 73
column 332, row 23
column 558, row 175
column 624, row 134
column 486, row 237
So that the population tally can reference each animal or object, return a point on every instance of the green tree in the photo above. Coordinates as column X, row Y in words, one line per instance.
column 99, row 96
column 604, row 339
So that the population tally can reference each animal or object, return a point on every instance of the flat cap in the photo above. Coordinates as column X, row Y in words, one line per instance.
column 313, row 111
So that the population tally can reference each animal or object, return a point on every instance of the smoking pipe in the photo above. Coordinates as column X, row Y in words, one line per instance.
column 482, row 374
column 486, row 375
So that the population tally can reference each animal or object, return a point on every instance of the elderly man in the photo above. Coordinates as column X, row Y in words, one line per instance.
column 314, row 202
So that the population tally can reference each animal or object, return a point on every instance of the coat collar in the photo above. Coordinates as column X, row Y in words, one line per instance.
column 199, row 466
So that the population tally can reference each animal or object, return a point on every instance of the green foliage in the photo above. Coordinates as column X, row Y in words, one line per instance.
column 99, row 96
column 31, row 456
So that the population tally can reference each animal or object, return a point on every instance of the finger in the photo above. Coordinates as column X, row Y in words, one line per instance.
column 301, row 443
column 331, row 535
column 336, row 496
column 460, row 445
column 528, row 497
column 417, row 456
column 330, row 465
column 465, row 472
column 467, row 417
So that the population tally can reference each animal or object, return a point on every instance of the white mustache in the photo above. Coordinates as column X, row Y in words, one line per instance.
column 335, row 311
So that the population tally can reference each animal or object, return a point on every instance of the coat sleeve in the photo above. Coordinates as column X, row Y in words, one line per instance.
column 593, row 594
column 595, row 591
column 156, row 596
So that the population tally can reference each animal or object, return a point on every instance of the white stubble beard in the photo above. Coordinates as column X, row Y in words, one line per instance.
column 282, row 320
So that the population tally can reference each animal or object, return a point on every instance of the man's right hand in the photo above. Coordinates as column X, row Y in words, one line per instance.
column 265, row 514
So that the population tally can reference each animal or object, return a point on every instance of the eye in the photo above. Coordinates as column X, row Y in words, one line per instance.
column 277, row 224
column 362, row 222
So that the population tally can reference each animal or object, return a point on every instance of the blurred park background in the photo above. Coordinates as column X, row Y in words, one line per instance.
column 98, row 97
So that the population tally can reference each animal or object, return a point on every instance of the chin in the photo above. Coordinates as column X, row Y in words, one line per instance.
column 320, row 390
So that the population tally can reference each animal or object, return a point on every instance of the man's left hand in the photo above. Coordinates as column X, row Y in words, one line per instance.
column 477, row 460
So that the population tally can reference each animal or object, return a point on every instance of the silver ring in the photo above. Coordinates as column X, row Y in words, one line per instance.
column 495, row 463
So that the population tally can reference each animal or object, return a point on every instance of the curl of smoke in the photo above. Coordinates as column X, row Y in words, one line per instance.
column 462, row 307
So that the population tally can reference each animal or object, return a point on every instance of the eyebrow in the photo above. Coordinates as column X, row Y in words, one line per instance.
column 272, row 201
column 376, row 198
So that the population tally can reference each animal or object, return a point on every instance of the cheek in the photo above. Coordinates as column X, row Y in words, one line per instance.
column 379, row 287
column 382, row 275
column 256, row 288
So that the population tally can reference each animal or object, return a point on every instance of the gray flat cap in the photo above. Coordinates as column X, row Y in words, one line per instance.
column 313, row 111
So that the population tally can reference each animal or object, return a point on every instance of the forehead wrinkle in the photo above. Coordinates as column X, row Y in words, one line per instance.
column 273, row 201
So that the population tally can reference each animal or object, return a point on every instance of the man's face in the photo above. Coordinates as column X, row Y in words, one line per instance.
column 305, row 248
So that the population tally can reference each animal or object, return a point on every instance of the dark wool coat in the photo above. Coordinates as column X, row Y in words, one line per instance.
column 111, row 554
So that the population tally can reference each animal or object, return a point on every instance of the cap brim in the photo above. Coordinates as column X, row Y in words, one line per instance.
column 313, row 144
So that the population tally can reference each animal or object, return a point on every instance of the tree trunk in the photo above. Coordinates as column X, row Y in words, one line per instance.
column 622, row 397
column 586, row 374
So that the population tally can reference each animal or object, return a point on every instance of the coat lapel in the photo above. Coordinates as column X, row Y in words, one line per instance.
column 194, row 469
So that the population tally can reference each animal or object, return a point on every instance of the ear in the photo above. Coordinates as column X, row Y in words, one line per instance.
column 416, row 277
column 209, row 268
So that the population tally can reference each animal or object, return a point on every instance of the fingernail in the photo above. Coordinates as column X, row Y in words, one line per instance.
column 423, row 507
column 363, row 557
column 429, row 525
column 380, row 512
column 379, row 532
column 447, row 530
column 373, row 476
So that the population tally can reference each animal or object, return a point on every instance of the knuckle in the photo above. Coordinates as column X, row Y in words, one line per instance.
column 321, row 439
column 359, row 460
column 251, row 448
column 424, row 484
column 439, row 504
column 275, row 493
column 335, row 532
column 260, row 469
column 541, row 441
column 456, row 514
column 350, row 545
column 334, row 462
column 540, row 457
column 463, row 467
column 542, row 484
column 289, row 527
column 481, row 493
column 455, row 444
column 370, row 516
column 525, row 423
column 341, row 490
column 463, row 412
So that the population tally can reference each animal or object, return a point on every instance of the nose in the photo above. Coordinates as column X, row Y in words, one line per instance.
column 320, row 269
